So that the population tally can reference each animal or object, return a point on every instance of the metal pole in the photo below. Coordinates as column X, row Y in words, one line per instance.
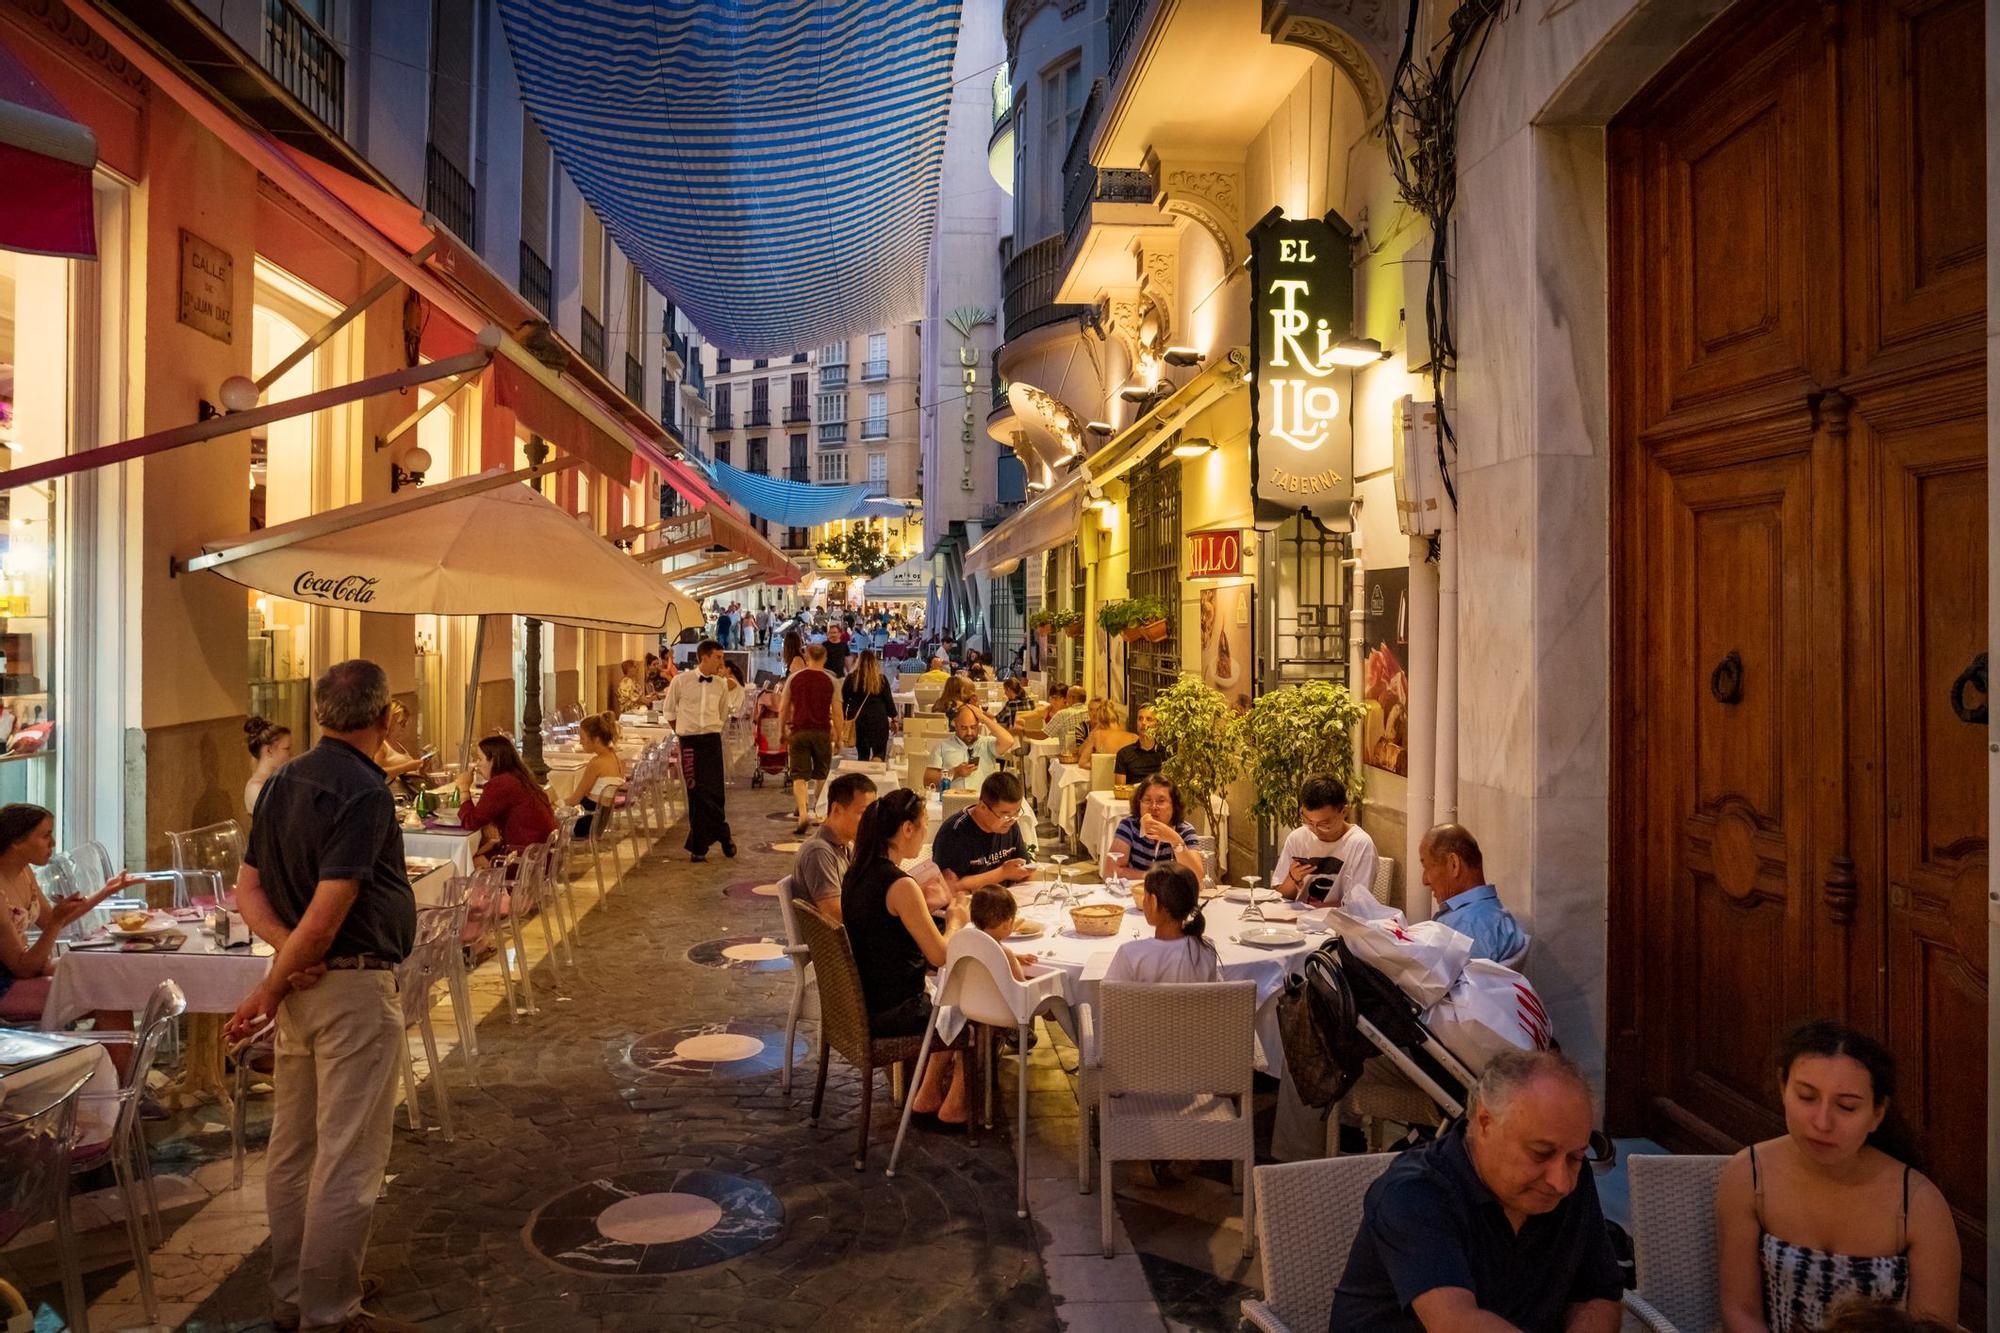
column 472, row 695
column 536, row 450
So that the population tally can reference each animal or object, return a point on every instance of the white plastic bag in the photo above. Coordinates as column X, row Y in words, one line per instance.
column 1489, row 1009
column 1422, row 960
column 1359, row 902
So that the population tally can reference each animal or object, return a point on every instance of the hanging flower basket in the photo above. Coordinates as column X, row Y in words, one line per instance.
column 1074, row 629
column 1153, row 631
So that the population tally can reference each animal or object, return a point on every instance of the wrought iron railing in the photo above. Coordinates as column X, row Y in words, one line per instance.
column 999, row 385
column 1126, row 22
column 635, row 379
column 691, row 371
column 877, row 429
column 309, row 65
column 1029, row 285
column 833, row 432
column 875, row 370
column 759, row 416
column 449, row 196
column 878, row 485
column 797, row 412
column 798, row 472
column 537, row 282
column 831, row 377
column 593, row 340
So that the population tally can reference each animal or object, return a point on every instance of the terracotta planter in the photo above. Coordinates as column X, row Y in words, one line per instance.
column 1074, row 631
column 1133, row 633
column 1154, row 631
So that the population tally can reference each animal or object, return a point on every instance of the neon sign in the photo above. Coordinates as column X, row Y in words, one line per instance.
column 1302, row 304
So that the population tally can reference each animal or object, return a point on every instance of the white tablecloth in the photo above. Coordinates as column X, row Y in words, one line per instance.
column 905, row 701
column 1101, row 813
column 214, row 981
column 33, row 1087
column 456, row 848
column 885, row 779
column 1068, row 784
column 1037, row 755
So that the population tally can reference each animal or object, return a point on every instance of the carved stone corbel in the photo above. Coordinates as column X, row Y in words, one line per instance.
column 1361, row 38
column 1207, row 193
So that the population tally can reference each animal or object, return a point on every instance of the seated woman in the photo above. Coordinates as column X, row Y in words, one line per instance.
column 1178, row 951
column 271, row 749
column 1832, row 1212
column 512, row 812
column 28, row 840
column 1013, row 702
column 957, row 693
column 1107, row 733
column 895, row 941
column 1155, row 833
column 598, row 734
column 390, row 756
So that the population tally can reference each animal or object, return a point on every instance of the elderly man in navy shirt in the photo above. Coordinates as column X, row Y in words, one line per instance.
column 1495, row 1224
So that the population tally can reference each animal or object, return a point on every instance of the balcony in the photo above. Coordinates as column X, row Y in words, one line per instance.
column 875, row 430
column 635, row 379
column 797, row 414
column 874, row 370
column 999, row 385
column 449, row 196
column 593, row 340
column 878, row 485
column 832, row 377
column 1126, row 21
column 676, row 343
column 833, row 432
column 759, row 416
column 1029, row 288
column 798, row 472
column 305, row 62
column 692, row 375
column 725, row 420
column 537, row 283
column 1000, row 143
column 1104, row 210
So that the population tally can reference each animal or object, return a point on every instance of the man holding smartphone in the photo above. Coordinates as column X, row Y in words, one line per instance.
column 1325, row 855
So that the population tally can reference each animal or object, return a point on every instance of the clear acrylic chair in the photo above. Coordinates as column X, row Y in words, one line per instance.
column 429, row 964
column 217, row 847
column 36, row 1143
column 458, row 893
column 93, row 866
column 251, row 1057
column 535, row 894
column 126, row 1151
column 489, row 909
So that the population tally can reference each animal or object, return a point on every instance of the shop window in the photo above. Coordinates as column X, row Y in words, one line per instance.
column 1155, row 571
column 34, row 427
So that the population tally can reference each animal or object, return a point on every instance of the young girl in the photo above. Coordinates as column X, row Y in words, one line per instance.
column 1171, row 899
column 994, row 912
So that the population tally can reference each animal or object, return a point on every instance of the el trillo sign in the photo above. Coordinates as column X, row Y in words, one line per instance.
column 1302, row 304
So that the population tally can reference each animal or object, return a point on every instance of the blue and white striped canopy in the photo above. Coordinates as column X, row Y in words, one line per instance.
column 796, row 504
column 772, row 165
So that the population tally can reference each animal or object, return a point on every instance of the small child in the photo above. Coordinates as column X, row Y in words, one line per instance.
column 993, row 911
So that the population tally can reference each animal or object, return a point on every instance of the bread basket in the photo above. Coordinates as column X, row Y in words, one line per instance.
column 1100, row 919
column 1123, row 791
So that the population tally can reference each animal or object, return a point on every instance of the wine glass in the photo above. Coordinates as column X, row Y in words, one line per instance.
column 1061, row 860
column 1255, row 908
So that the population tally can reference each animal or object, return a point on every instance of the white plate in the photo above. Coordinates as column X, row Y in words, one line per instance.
column 1027, row 930
column 156, row 926
column 1263, row 896
column 1272, row 937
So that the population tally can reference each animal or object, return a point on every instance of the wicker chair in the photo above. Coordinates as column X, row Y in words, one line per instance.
column 36, row 1143
column 1307, row 1217
column 843, row 1019
column 1159, row 1095
column 1673, row 1242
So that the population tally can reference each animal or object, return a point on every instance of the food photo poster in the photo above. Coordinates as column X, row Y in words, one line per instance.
column 1225, row 642
column 1385, row 680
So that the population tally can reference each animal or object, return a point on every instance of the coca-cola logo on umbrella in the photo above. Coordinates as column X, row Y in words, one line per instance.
column 355, row 588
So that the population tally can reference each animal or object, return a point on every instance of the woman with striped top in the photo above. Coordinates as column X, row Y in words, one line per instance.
column 1155, row 833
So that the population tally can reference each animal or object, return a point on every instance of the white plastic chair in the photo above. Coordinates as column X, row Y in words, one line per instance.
column 1160, row 1095
column 976, row 985
column 801, row 956
column 1308, row 1214
column 1673, row 1242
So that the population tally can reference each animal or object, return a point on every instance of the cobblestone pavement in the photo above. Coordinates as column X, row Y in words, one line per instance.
column 471, row 1234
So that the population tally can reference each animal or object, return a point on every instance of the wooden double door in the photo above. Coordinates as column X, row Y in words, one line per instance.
column 1797, row 222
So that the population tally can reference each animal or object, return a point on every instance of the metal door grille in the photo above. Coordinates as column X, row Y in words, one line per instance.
column 1155, row 506
column 1312, row 592
column 1079, row 601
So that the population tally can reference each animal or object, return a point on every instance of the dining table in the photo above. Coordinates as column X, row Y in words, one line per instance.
column 37, row 1067
column 1037, row 754
column 1068, row 785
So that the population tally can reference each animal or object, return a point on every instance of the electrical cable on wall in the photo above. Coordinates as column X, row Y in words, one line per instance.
column 1421, row 126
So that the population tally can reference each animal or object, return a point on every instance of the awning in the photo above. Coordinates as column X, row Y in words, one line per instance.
column 907, row 582
column 469, row 547
column 1048, row 522
column 45, row 161
column 1124, row 450
column 796, row 504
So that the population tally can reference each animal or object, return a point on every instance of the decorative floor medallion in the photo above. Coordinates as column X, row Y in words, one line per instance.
column 752, row 953
column 753, row 890
column 650, row 1223
column 727, row 1050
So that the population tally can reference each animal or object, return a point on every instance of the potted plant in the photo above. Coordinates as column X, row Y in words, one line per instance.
column 1199, row 731
column 1068, row 621
column 1299, row 732
column 1135, row 618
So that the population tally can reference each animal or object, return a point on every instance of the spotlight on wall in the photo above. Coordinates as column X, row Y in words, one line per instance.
column 1184, row 356
column 1356, row 352
column 409, row 468
column 1194, row 448
column 1099, row 427
column 1138, row 393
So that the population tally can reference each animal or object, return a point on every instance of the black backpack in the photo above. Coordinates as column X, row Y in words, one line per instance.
column 1324, row 1051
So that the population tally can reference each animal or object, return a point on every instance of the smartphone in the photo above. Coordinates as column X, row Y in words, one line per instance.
column 1323, row 876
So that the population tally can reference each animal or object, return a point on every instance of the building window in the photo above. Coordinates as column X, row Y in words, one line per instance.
column 876, row 427
column 298, row 51
column 760, row 455
column 833, row 407
column 721, row 364
column 833, row 354
column 448, row 190
column 722, row 448
column 798, row 409
column 1155, row 571
column 878, row 474
column 760, row 403
column 797, row 470
column 1062, row 95
column 725, row 406
column 876, row 367
column 833, row 468
column 535, row 160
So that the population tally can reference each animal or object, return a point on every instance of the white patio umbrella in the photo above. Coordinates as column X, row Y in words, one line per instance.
column 477, row 546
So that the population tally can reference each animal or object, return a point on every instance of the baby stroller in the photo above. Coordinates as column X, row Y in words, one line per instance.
column 772, row 757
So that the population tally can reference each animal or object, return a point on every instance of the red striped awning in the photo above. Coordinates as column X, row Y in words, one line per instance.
column 45, row 159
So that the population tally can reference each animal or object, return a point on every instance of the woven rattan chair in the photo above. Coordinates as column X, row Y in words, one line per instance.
column 843, row 1019
column 1307, row 1217
column 1673, row 1242
column 1160, row 1095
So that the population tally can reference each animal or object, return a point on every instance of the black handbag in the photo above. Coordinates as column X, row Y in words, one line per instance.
column 1324, row 1051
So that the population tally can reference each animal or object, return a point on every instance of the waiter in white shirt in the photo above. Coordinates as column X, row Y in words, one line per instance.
column 699, row 704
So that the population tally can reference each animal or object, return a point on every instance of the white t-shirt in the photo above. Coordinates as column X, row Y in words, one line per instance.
column 1163, row 961
column 1355, row 849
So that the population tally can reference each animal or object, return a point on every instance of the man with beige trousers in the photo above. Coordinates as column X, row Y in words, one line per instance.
column 323, row 882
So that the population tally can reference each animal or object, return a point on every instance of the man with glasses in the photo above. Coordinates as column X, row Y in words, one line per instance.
column 982, row 845
column 971, row 754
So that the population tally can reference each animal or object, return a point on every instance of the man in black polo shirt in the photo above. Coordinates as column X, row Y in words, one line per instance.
column 323, row 882
column 1494, row 1225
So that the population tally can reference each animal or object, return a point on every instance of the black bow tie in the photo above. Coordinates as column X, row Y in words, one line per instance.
column 706, row 679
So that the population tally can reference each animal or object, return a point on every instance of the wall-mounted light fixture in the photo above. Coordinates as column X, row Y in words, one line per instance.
column 1099, row 427
column 1138, row 393
column 1194, row 448
column 408, row 468
column 1184, row 356
column 1357, row 352
column 239, row 393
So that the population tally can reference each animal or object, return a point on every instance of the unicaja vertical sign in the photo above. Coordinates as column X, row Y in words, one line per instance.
column 1302, row 304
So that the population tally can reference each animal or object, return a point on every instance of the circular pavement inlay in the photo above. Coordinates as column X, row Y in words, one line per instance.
column 659, row 1219
column 721, row 1050
column 750, row 953
column 650, row 1223
column 751, row 890
column 787, row 847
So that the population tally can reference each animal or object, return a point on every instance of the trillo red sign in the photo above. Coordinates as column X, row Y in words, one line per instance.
column 1215, row 553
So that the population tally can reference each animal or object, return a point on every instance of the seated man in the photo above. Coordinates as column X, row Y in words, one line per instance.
column 1456, row 875
column 1494, row 1225
column 971, row 754
column 822, row 860
column 1068, row 726
column 1324, row 856
column 982, row 845
column 939, row 673
column 1143, row 757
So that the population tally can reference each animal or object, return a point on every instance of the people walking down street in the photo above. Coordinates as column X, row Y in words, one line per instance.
column 323, row 882
column 807, row 717
column 869, row 704
column 699, row 706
